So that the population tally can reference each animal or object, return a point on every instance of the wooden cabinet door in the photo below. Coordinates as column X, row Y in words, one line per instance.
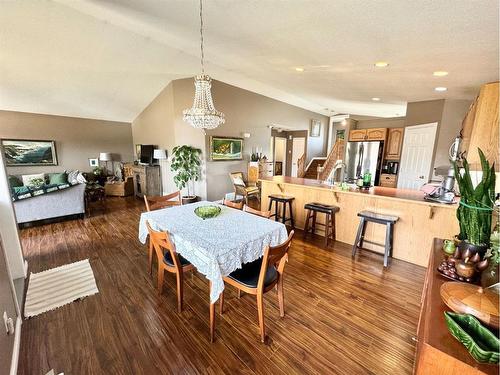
column 357, row 135
column 394, row 143
column 376, row 134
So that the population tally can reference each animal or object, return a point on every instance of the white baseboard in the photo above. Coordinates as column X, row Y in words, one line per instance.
column 17, row 345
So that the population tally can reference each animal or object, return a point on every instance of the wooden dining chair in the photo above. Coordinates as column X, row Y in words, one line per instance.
column 162, row 201
column 228, row 203
column 257, row 278
column 251, row 210
column 169, row 260
column 155, row 203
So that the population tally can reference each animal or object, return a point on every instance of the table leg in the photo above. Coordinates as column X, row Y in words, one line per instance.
column 212, row 316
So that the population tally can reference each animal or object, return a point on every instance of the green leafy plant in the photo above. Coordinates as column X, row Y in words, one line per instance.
column 476, row 204
column 186, row 163
column 98, row 171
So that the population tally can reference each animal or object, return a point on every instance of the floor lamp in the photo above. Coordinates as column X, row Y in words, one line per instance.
column 160, row 155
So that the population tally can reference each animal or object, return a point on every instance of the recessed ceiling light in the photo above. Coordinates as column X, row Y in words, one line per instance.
column 440, row 89
column 381, row 64
column 440, row 73
column 376, row 99
column 299, row 69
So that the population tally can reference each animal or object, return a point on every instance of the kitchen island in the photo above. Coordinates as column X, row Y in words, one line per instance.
column 419, row 221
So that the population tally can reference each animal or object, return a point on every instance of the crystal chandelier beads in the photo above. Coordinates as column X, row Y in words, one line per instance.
column 203, row 114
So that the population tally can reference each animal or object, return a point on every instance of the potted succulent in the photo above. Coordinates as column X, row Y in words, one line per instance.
column 474, row 212
column 186, row 163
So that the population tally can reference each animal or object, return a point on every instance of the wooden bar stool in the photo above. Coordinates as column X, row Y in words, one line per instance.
column 329, row 211
column 281, row 200
column 387, row 220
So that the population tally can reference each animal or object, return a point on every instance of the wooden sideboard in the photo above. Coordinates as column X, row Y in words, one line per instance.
column 146, row 179
column 438, row 352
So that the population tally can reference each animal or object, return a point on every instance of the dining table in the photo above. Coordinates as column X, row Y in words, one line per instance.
column 215, row 246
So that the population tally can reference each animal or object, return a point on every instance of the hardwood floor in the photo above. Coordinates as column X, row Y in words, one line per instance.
column 342, row 317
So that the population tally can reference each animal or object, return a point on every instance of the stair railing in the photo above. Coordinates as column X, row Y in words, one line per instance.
column 337, row 153
column 301, row 166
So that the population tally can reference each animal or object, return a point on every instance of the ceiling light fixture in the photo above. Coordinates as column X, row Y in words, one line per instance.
column 381, row 64
column 440, row 89
column 440, row 73
column 376, row 99
column 299, row 69
column 203, row 114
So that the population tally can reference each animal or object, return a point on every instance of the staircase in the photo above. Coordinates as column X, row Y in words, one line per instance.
column 326, row 164
column 312, row 168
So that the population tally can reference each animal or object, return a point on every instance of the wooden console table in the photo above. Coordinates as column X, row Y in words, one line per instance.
column 438, row 352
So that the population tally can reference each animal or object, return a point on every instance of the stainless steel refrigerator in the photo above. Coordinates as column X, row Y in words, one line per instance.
column 362, row 157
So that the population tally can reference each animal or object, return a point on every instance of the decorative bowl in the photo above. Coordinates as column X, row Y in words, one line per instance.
column 207, row 212
column 481, row 343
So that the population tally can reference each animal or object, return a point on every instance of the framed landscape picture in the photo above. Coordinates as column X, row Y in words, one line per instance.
column 23, row 152
column 225, row 148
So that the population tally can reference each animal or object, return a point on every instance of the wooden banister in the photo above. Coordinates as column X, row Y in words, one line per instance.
column 337, row 153
column 301, row 166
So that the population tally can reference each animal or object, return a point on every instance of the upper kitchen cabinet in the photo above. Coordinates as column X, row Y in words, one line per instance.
column 480, row 127
column 357, row 135
column 376, row 134
column 394, row 143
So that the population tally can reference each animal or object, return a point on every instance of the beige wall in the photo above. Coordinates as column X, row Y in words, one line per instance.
column 77, row 139
column 391, row 122
column 161, row 123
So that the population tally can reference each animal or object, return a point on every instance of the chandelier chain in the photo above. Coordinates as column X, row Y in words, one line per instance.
column 201, row 38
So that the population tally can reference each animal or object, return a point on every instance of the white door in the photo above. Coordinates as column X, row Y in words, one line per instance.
column 298, row 149
column 416, row 157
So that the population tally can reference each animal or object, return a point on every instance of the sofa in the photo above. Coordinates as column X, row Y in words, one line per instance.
column 54, row 204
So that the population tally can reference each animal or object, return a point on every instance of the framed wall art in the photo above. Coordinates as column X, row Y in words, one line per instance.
column 24, row 152
column 226, row 148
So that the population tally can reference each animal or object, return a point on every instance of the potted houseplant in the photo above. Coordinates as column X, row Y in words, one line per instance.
column 474, row 212
column 186, row 165
column 490, row 275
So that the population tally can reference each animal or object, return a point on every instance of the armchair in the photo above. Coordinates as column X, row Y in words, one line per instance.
column 241, row 187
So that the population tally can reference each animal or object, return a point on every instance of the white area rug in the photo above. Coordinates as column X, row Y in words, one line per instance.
column 59, row 286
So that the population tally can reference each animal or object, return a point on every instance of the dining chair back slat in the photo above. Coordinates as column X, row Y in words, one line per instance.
column 253, row 211
column 236, row 205
column 162, row 201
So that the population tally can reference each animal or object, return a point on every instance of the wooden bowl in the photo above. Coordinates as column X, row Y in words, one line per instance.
column 472, row 299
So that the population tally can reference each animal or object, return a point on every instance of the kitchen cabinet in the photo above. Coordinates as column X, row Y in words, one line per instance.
column 388, row 180
column 376, row 134
column 394, row 143
column 357, row 135
column 480, row 127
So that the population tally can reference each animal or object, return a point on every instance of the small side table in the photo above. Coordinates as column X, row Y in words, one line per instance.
column 94, row 193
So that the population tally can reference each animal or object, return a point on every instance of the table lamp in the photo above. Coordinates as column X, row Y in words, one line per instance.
column 106, row 156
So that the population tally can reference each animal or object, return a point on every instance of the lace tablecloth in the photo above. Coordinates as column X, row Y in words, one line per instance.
column 216, row 246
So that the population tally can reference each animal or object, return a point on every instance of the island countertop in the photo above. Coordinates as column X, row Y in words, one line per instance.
column 415, row 196
column 419, row 221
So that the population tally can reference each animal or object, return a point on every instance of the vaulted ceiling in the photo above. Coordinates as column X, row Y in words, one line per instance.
column 109, row 59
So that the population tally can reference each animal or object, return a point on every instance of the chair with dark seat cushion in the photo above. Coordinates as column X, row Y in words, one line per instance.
column 387, row 220
column 330, row 227
column 257, row 278
column 169, row 261
column 248, row 275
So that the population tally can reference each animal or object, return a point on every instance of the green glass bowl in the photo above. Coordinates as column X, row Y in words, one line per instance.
column 481, row 343
column 207, row 212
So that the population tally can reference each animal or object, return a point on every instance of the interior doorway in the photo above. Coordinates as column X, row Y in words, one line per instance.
column 416, row 157
column 279, row 156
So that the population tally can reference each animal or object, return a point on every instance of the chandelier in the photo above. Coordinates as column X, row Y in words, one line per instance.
column 203, row 114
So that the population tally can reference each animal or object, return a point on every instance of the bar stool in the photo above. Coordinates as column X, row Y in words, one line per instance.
column 279, row 200
column 387, row 220
column 329, row 211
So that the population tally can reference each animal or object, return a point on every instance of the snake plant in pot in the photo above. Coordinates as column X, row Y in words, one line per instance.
column 475, row 210
column 186, row 165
